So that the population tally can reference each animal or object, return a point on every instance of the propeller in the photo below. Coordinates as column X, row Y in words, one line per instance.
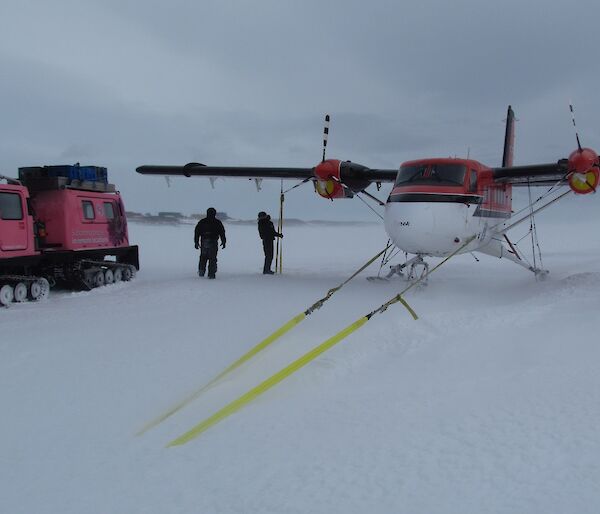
column 325, row 135
column 574, row 125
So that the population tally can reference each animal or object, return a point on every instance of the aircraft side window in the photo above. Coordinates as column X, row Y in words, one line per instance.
column 11, row 207
column 473, row 181
column 88, row 210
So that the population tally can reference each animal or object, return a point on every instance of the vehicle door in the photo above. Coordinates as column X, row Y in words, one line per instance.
column 13, row 222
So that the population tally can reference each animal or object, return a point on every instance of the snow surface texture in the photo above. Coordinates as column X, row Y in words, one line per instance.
column 488, row 403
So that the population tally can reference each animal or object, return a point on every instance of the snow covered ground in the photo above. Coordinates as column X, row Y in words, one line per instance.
column 490, row 402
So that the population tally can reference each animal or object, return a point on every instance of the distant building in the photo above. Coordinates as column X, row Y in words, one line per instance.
column 220, row 215
column 175, row 215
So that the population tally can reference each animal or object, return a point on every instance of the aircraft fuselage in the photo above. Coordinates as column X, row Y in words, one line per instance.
column 437, row 204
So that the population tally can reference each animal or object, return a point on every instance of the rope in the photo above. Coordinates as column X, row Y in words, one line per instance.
column 365, row 202
column 533, row 230
column 294, row 187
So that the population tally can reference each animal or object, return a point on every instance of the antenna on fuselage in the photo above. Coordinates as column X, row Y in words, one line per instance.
column 574, row 124
column 325, row 135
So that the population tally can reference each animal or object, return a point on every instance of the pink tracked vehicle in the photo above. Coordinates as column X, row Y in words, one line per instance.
column 61, row 225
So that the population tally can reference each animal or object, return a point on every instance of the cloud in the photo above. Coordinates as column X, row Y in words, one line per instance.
column 124, row 83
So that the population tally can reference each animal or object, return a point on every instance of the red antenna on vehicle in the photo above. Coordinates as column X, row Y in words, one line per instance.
column 325, row 135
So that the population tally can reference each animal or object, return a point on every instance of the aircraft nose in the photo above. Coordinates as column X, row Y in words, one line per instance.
column 425, row 227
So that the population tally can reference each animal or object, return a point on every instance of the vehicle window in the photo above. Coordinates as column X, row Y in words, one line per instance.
column 11, row 207
column 88, row 210
column 109, row 211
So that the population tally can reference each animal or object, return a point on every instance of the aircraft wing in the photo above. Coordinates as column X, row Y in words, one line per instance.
column 348, row 171
column 201, row 170
column 534, row 175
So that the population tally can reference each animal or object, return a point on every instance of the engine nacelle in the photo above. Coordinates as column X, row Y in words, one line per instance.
column 339, row 179
column 584, row 174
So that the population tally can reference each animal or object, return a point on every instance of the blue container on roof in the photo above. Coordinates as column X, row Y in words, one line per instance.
column 68, row 171
column 87, row 173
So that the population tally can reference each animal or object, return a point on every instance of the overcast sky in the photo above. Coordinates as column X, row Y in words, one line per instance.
column 120, row 83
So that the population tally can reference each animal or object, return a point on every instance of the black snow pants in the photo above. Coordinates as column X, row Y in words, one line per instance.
column 268, row 248
column 208, row 254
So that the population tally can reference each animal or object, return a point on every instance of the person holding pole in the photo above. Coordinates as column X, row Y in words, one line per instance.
column 267, row 233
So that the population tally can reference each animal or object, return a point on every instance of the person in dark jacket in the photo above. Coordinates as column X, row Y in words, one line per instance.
column 268, row 234
column 206, row 238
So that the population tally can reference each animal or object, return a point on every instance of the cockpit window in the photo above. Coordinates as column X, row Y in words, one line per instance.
column 432, row 174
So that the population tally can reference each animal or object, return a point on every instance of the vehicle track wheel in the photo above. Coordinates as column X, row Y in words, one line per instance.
column 35, row 290
column 109, row 277
column 6, row 294
column 20, row 292
column 127, row 273
column 118, row 274
column 99, row 279
column 44, row 286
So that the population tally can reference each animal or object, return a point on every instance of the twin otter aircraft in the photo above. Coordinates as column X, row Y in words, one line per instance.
column 437, row 206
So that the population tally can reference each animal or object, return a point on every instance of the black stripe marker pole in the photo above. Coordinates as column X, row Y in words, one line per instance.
column 325, row 135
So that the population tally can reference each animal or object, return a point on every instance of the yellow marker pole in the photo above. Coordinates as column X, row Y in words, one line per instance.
column 279, row 265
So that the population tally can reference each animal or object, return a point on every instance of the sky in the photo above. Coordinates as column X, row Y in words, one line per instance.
column 121, row 83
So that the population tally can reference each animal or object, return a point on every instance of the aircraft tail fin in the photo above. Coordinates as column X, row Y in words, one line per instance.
column 509, row 139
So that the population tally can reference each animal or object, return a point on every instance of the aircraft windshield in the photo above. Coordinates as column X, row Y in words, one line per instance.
column 432, row 174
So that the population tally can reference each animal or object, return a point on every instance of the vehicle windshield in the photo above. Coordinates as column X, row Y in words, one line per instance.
column 432, row 174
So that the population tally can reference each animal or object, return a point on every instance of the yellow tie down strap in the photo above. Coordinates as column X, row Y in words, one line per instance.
column 256, row 349
column 302, row 361
column 248, row 355
column 267, row 384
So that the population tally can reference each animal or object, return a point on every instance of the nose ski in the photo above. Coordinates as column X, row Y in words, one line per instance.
column 415, row 269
